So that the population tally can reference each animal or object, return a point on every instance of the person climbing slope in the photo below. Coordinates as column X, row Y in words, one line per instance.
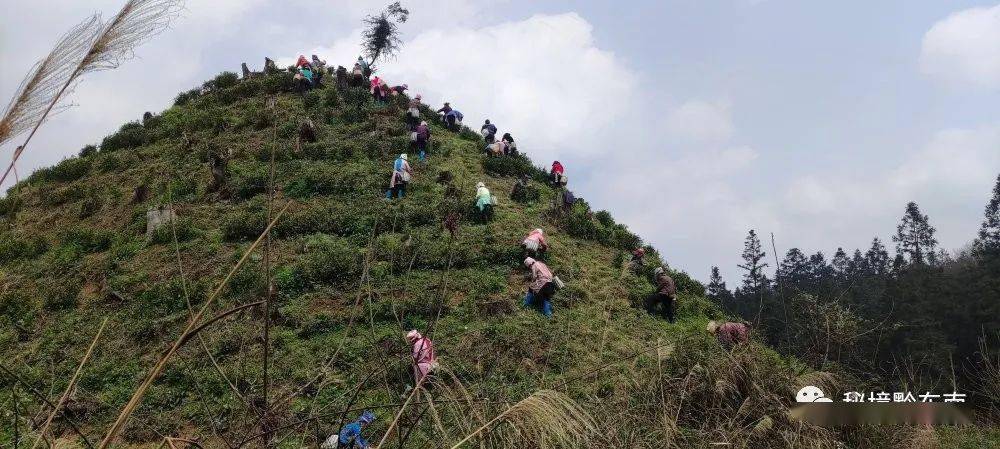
column 541, row 287
column 729, row 334
column 401, row 175
column 484, row 201
column 444, row 110
column 413, row 112
column 424, row 360
column 636, row 262
column 319, row 69
column 665, row 295
column 396, row 90
column 423, row 134
column 489, row 131
column 357, row 76
column 376, row 89
column 350, row 435
column 520, row 190
column 557, row 173
column 366, row 70
column 534, row 244
column 511, row 146
column 302, row 62
column 454, row 119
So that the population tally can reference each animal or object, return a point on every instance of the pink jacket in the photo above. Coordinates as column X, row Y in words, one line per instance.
column 537, row 236
column 423, row 356
column 732, row 333
column 540, row 275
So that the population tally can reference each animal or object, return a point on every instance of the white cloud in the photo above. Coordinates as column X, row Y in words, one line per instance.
column 963, row 48
column 700, row 121
column 543, row 79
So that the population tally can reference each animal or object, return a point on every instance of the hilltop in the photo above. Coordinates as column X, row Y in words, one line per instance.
column 351, row 271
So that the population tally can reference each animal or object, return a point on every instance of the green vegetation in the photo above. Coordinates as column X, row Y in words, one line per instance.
column 352, row 271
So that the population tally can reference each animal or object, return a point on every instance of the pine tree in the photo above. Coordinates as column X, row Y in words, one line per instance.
column 877, row 258
column 988, row 243
column 857, row 265
column 793, row 271
column 915, row 237
column 717, row 290
column 840, row 263
column 755, row 282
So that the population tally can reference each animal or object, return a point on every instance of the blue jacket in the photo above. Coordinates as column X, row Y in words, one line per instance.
column 352, row 432
column 492, row 129
column 458, row 115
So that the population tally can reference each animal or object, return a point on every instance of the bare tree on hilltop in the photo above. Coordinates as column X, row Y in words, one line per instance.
column 380, row 40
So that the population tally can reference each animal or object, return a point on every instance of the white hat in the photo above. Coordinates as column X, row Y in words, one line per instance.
column 539, row 230
column 528, row 261
column 403, row 156
column 480, row 184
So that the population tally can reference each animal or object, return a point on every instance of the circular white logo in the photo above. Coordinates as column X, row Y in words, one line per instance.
column 811, row 394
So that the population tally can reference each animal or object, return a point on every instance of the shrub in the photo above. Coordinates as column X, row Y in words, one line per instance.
column 182, row 188
column 222, row 81
column 279, row 82
column 512, row 166
column 243, row 224
column 67, row 170
column 290, row 280
column 13, row 247
column 248, row 178
column 312, row 99
column 331, row 98
column 184, row 98
column 87, row 240
column 88, row 150
column 131, row 135
column 330, row 259
column 9, row 205
column 59, row 292
column 165, row 234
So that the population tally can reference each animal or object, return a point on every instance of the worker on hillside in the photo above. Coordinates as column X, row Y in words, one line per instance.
column 496, row 148
column 636, row 262
column 423, row 134
column 350, row 435
column 424, row 360
column 665, row 295
column 557, row 173
column 520, row 190
column 540, row 287
column 357, row 76
column 401, row 175
column 454, row 119
column 302, row 62
column 565, row 199
column 534, row 244
column 378, row 93
column 366, row 70
column 319, row 69
column 413, row 112
column 445, row 109
column 396, row 90
column 511, row 146
column 484, row 201
column 489, row 131
column 303, row 79
column 729, row 334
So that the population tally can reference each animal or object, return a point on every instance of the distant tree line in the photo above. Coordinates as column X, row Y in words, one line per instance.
column 915, row 317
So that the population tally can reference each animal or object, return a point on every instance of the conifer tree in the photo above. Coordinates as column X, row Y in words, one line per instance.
column 877, row 258
column 988, row 243
column 717, row 290
column 915, row 237
column 755, row 281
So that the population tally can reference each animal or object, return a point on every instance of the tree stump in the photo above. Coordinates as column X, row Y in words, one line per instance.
column 218, row 164
column 157, row 217
column 307, row 131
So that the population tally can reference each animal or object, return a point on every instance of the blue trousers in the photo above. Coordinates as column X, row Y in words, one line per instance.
column 532, row 300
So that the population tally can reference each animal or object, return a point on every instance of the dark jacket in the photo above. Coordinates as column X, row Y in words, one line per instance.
column 445, row 109
column 665, row 285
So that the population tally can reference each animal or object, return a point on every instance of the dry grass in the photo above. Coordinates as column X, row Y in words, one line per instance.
column 546, row 419
column 87, row 47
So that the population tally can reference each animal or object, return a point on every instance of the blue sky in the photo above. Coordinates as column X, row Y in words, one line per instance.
column 691, row 121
